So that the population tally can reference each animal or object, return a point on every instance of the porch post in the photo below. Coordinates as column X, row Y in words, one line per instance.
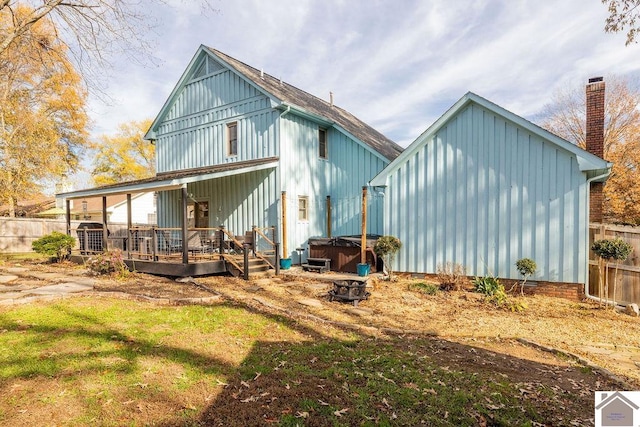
column 277, row 249
column 68, row 216
column 284, row 225
column 105, row 231
column 185, row 247
column 363, row 237
column 129, row 225
column 329, row 216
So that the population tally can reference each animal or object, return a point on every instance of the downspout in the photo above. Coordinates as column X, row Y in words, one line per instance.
column 586, row 284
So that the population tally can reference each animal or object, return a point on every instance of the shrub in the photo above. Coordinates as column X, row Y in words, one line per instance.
column 495, row 294
column 526, row 267
column 452, row 276
column 608, row 249
column 387, row 247
column 487, row 286
column 56, row 244
column 108, row 262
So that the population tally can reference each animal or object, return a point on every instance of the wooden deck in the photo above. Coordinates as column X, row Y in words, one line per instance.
column 161, row 251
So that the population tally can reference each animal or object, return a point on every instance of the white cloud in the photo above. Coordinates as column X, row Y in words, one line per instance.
column 397, row 65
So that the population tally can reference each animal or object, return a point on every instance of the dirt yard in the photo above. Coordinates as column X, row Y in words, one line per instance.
column 603, row 337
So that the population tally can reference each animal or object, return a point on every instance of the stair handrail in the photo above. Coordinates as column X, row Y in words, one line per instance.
column 232, row 237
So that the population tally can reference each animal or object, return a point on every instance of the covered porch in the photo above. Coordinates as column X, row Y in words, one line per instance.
column 193, row 248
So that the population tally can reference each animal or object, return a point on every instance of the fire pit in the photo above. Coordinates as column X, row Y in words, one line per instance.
column 349, row 290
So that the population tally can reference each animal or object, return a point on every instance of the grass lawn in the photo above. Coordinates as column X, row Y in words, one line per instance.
column 102, row 361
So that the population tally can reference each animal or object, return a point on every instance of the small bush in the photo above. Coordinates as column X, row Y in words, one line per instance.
column 387, row 247
column 452, row 276
column 487, row 286
column 616, row 249
column 56, row 244
column 526, row 266
column 425, row 288
column 495, row 294
column 107, row 263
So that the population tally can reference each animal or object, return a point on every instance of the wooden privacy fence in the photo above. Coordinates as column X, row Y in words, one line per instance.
column 628, row 289
column 17, row 234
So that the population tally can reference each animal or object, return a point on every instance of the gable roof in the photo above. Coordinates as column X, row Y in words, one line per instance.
column 619, row 396
column 587, row 162
column 289, row 97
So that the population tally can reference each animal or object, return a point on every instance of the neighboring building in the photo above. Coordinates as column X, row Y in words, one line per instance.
column 143, row 209
column 483, row 187
column 236, row 142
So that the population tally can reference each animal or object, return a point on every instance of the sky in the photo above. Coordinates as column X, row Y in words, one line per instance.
column 397, row 65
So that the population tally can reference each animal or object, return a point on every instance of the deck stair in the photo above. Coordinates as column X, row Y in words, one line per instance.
column 235, row 265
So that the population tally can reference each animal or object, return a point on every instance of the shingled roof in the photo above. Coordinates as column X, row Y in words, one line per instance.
column 289, row 94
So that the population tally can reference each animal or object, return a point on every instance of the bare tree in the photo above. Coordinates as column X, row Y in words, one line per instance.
column 624, row 15
column 565, row 116
column 91, row 30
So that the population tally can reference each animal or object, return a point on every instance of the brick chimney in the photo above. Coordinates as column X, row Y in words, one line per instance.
column 595, row 141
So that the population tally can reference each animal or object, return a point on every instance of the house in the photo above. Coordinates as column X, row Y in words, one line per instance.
column 142, row 207
column 237, row 148
column 483, row 187
column 615, row 409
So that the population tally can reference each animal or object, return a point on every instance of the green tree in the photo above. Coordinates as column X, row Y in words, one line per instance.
column 124, row 156
column 606, row 250
column 623, row 16
column 387, row 247
column 565, row 117
column 43, row 123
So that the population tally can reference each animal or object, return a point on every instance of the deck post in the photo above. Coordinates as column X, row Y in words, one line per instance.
column 246, row 247
column 276, row 248
column 329, row 216
column 284, row 225
column 221, row 231
column 363, row 237
column 154, row 244
column 68, row 216
column 105, row 230
column 253, row 239
column 129, row 224
column 185, row 243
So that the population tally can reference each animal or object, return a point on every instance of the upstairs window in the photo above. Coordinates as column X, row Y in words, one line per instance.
column 303, row 208
column 232, row 139
column 322, row 143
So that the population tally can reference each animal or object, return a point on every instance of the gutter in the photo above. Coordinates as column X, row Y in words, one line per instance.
column 586, row 284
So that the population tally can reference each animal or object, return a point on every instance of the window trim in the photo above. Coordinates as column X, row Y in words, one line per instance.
column 303, row 201
column 230, row 152
column 321, row 155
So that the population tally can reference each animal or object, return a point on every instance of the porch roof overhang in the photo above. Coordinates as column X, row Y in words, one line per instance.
column 173, row 180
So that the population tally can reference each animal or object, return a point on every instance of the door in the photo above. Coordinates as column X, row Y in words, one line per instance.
column 198, row 214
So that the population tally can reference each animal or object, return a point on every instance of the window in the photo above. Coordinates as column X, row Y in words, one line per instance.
column 232, row 139
column 303, row 208
column 322, row 143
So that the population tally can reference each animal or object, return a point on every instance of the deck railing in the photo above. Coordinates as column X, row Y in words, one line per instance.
column 165, row 244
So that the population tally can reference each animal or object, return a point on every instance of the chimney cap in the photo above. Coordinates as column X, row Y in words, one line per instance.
column 595, row 79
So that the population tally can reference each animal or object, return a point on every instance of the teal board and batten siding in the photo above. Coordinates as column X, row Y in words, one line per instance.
column 348, row 167
column 484, row 192
column 193, row 133
column 238, row 202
